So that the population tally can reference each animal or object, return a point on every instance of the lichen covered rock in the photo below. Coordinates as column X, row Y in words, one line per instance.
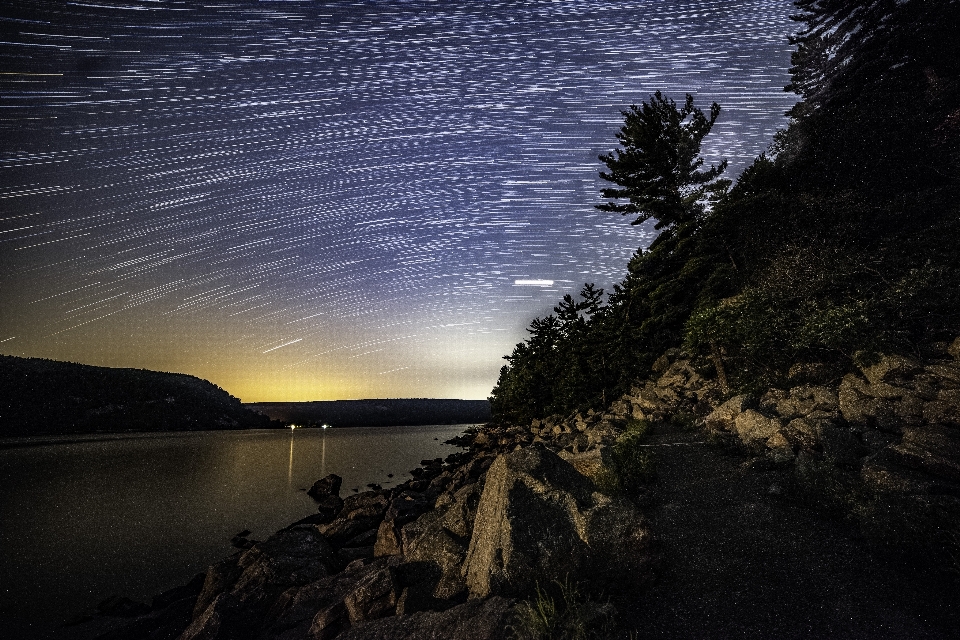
column 538, row 519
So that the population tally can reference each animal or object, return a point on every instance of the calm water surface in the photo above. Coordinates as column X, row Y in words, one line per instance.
column 134, row 515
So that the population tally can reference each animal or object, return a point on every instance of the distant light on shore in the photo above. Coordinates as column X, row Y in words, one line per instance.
column 533, row 283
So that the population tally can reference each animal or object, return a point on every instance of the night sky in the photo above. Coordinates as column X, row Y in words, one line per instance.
column 329, row 200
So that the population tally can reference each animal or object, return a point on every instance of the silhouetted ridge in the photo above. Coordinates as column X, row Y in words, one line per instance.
column 45, row 397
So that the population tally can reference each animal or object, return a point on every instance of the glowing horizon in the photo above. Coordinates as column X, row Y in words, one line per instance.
column 335, row 202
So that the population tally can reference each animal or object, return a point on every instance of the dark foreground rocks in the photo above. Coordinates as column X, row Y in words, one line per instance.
column 444, row 555
column 449, row 553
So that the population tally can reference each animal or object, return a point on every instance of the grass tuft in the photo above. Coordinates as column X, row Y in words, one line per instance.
column 633, row 463
column 566, row 614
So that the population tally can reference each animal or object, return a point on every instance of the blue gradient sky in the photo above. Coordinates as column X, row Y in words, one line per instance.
column 323, row 200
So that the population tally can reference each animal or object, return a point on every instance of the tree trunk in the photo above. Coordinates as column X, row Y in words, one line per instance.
column 721, row 372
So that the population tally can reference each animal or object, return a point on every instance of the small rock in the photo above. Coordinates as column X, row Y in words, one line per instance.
column 954, row 348
column 330, row 485
column 388, row 540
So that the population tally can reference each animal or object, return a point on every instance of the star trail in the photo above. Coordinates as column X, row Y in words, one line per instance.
column 319, row 200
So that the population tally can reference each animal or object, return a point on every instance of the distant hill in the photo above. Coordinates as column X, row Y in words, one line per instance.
column 376, row 413
column 47, row 397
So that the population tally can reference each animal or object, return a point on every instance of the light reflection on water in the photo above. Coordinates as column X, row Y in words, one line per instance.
column 84, row 518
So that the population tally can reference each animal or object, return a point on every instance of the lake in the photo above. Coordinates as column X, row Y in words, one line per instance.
column 83, row 518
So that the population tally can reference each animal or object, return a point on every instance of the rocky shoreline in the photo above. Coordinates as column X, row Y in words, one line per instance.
column 451, row 552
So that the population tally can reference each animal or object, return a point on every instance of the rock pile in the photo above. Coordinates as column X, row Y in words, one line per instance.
column 444, row 554
column 896, row 423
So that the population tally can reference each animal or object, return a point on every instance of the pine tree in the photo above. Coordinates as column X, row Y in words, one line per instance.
column 659, row 171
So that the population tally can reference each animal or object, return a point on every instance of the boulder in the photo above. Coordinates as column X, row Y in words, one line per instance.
column 754, row 428
column 459, row 514
column 317, row 610
column 644, row 399
column 327, row 486
column 954, row 348
column 539, row 519
column 292, row 557
column 861, row 408
column 328, row 506
column 223, row 619
column 947, row 374
column 388, row 540
column 807, row 433
column 374, row 596
column 938, row 411
column 407, row 505
column 219, row 577
column 368, row 504
column 329, row 622
column 936, row 438
column 239, row 591
column 427, row 540
column 595, row 463
column 474, row 620
column 723, row 417
column 890, row 368
column 779, row 446
column 810, row 399
column 343, row 529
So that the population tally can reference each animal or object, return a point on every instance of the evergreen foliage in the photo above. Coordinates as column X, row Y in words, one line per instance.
column 658, row 170
column 842, row 239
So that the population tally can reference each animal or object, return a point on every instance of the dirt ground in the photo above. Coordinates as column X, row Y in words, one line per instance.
column 742, row 560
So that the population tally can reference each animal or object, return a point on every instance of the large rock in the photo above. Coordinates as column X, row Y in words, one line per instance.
column 755, row 428
column 954, row 348
column 936, row 438
column 890, row 368
column 368, row 504
column 292, row 557
column 595, row 463
column 428, row 540
column 810, row 399
column 723, row 417
column 388, row 540
column 328, row 506
column 239, row 591
column 474, row 620
column 219, row 578
column 374, row 596
column 540, row 520
column 327, row 486
column 459, row 510
column 341, row 530
column 861, row 405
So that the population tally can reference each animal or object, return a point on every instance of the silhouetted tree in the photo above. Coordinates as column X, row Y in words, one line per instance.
column 659, row 170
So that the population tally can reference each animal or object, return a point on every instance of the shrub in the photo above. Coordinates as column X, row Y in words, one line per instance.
column 633, row 462
column 567, row 614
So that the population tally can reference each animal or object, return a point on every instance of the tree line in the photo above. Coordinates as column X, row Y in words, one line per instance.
column 839, row 242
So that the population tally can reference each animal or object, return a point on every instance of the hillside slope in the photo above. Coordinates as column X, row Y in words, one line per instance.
column 47, row 397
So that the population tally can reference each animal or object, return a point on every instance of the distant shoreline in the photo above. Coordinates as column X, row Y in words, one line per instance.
column 375, row 413
column 41, row 440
